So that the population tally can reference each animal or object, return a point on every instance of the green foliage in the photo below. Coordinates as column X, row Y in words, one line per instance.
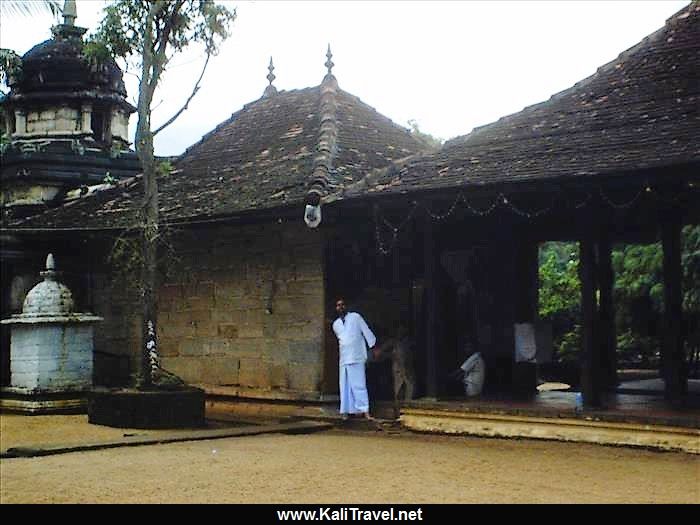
column 568, row 345
column 164, row 168
column 109, row 179
column 10, row 65
column 176, row 24
column 639, row 273
column 638, row 297
column 690, row 260
column 560, row 294
column 559, row 284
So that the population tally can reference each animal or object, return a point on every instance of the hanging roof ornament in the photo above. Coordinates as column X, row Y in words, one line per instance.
column 270, row 89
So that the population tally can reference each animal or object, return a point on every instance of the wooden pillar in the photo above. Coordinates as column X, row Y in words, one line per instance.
column 431, row 307
column 527, row 282
column 606, row 314
column 672, row 358
column 591, row 350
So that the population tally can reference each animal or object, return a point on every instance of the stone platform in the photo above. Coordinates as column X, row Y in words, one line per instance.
column 131, row 408
column 22, row 401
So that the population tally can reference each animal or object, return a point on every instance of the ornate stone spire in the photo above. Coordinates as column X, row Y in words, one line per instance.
column 70, row 13
column 68, row 30
column 270, row 90
column 329, row 63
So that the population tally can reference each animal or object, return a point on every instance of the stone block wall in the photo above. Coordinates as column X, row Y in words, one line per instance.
column 62, row 119
column 241, row 307
column 120, row 125
column 118, row 336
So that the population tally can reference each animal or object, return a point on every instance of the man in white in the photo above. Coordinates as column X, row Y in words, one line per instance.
column 354, row 336
column 474, row 371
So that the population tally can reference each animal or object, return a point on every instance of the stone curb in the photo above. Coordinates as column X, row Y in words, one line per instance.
column 299, row 427
column 588, row 430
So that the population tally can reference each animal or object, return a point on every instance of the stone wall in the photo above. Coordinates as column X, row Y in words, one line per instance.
column 28, row 194
column 241, row 309
column 51, row 121
column 119, row 125
column 118, row 336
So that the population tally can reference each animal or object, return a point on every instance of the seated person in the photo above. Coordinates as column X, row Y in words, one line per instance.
column 472, row 373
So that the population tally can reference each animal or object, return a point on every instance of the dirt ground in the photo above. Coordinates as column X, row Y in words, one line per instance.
column 18, row 430
column 351, row 467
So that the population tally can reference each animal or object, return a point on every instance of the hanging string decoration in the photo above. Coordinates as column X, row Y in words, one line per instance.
column 385, row 246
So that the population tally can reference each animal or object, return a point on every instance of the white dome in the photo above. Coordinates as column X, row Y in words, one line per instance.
column 49, row 297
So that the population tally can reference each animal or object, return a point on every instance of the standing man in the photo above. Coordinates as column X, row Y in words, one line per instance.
column 354, row 336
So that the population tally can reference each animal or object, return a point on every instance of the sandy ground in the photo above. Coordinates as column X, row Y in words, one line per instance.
column 18, row 430
column 353, row 467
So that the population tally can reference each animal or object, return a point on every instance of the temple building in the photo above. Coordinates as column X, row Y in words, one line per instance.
column 308, row 194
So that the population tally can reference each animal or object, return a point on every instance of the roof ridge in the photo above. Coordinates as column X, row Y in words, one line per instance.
column 326, row 146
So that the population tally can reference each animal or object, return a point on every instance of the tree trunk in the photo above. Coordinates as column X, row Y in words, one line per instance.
column 145, row 151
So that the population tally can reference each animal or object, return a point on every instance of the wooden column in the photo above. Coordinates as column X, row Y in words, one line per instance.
column 431, row 307
column 606, row 314
column 527, row 282
column 591, row 350
column 672, row 358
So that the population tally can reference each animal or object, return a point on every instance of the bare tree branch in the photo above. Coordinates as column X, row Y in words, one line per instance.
column 187, row 103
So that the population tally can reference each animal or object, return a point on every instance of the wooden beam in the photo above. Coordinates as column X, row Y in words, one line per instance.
column 591, row 350
column 672, row 358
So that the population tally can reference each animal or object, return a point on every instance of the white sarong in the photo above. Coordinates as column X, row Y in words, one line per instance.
column 353, row 389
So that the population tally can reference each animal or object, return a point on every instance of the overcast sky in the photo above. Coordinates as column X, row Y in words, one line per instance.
column 450, row 66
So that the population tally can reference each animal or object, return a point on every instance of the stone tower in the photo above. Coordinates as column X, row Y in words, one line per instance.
column 65, row 123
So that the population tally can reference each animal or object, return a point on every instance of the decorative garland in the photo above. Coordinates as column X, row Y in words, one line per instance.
column 386, row 247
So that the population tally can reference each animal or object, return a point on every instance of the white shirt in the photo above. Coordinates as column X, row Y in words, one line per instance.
column 353, row 337
column 474, row 371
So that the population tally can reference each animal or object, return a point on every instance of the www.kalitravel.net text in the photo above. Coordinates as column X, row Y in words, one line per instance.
column 350, row 514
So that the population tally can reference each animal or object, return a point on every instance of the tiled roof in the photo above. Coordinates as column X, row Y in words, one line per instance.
column 640, row 111
column 260, row 158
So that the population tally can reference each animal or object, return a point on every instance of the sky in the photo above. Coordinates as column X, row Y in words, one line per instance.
column 449, row 66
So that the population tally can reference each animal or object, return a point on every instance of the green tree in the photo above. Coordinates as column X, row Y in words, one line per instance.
column 147, row 34
column 638, row 297
column 560, row 296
